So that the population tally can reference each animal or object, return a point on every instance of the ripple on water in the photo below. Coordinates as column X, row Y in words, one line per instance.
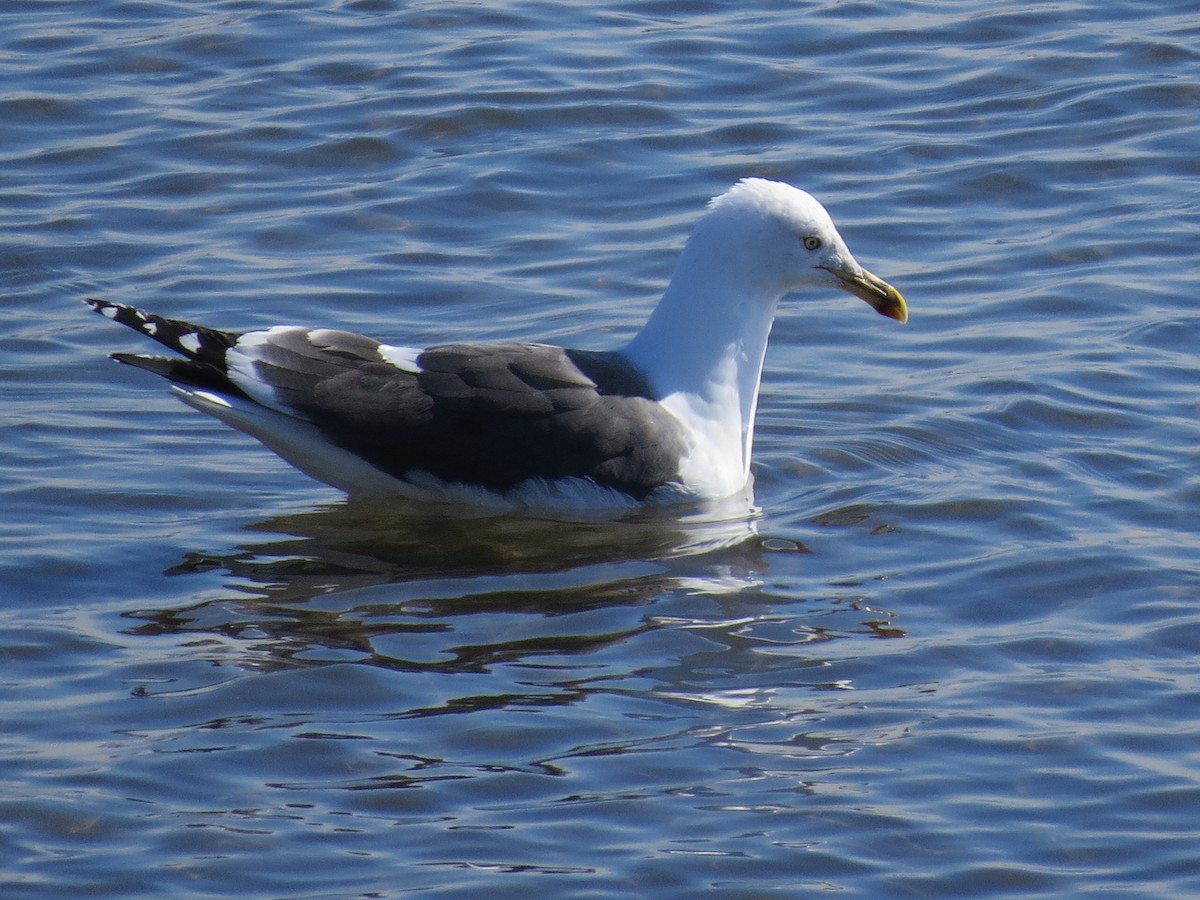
column 951, row 655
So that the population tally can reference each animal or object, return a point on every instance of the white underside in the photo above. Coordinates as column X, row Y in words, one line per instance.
column 303, row 446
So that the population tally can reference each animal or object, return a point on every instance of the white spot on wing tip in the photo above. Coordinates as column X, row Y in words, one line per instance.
column 403, row 358
column 109, row 312
column 190, row 342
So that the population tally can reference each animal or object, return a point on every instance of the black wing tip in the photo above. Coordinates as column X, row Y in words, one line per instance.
column 196, row 342
column 119, row 312
column 99, row 304
column 185, row 372
column 137, row 359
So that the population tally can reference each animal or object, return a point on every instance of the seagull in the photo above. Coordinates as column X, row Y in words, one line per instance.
column 667, row 418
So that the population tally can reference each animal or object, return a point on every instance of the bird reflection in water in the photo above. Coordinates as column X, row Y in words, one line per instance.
column 420, row 589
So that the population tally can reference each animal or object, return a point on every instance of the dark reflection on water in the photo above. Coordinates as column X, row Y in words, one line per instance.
column 362, row 541
column 337, row 582
column 660, row 624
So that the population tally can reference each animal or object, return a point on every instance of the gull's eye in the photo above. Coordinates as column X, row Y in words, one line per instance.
column 812, row 242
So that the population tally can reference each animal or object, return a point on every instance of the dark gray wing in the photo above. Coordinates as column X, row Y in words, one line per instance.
column 499, row 414
column 492, row 415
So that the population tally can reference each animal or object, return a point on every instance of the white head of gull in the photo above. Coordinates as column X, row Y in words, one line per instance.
column 669, row 417
column 703, row 346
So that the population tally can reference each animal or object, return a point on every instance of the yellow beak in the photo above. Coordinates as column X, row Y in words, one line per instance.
column 883, row 298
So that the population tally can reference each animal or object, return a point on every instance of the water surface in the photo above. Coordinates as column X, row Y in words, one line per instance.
column 954, row 654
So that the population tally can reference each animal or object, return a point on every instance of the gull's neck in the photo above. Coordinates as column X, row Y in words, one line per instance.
column 702, row 350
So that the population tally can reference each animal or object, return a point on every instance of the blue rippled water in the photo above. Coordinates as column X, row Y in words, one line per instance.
column 955, row 655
